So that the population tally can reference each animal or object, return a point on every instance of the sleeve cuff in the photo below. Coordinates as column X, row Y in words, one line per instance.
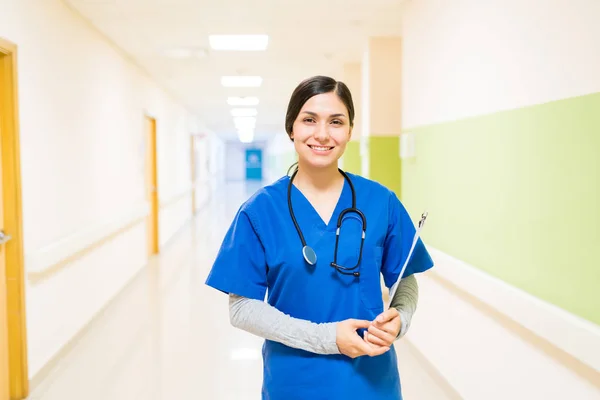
column 329, row 338
column 405, row 322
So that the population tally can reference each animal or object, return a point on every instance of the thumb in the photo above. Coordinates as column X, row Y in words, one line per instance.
column 387, row 315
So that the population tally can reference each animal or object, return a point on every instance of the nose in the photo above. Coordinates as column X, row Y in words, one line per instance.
column 322, row 133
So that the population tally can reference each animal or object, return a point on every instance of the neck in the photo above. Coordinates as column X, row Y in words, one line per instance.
column 320, row 179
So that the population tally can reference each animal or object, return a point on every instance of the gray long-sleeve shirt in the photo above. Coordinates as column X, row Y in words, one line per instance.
column 262, row 319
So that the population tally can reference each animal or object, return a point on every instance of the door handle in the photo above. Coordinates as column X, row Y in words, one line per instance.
column 4, row 237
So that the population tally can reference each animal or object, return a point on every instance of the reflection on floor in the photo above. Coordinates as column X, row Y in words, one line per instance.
column 167, row 335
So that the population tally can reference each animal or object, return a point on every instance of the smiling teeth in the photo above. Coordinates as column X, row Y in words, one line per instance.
column 320, row 148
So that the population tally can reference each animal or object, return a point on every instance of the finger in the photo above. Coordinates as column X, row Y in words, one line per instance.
column 362, row 346
column 391, row 327
column 372, row 339
column 387, row 315
column 377, row 351
column 366, row 348
column 359, row 323
column 386, row 337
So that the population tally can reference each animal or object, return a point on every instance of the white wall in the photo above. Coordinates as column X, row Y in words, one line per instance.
column 235, row 165
column 82, row 142
column 470, row 57
column 280, row 154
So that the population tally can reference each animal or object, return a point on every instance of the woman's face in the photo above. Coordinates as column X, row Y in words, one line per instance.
column 321, row 130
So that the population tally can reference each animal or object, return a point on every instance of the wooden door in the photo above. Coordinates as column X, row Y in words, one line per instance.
column 14, row 380
column 4, row 365
column 152, row 185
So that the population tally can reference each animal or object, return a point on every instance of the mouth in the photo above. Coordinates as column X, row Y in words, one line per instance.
column 321, row 148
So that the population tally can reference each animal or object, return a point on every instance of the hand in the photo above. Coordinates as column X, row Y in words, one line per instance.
column 384, row 330
column 351, row 344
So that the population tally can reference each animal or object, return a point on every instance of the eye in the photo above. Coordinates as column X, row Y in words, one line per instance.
column 309, row 119
column 337, row 122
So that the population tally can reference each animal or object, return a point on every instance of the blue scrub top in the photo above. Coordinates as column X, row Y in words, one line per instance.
column 262, row 253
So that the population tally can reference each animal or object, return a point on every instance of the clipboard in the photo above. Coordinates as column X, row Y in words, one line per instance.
column 410, row 252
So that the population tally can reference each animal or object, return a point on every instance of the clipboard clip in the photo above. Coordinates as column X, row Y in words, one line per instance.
column 423, row 218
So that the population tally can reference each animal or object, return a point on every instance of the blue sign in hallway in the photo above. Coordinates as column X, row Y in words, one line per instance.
column 253, row 164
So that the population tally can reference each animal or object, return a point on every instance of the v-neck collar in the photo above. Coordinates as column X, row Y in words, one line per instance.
column 332, row 223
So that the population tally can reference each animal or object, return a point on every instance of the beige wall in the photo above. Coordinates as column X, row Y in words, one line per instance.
column 474, row 57
column 384, row 59
column 352, row 78
column 82, row 142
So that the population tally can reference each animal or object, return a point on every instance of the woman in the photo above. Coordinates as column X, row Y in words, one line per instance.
column 327, row 335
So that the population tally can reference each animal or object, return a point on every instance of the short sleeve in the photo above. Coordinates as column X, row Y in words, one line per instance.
column 400, row 235
column 240, row 265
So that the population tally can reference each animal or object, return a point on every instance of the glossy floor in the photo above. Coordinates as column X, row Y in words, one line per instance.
column 167, row 335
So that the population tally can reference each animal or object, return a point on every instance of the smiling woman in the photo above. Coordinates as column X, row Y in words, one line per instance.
column 305, row 240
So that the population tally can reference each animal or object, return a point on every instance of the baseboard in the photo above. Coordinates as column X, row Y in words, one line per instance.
column 570, row 333
column 483, row 338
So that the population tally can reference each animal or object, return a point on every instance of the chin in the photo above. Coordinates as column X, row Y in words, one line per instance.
column 322, row 163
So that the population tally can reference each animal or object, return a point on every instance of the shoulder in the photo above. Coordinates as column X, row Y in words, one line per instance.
column 383, row 200
column 374, row 189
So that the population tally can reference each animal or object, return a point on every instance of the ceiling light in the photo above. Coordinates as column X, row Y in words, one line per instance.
column 244, row 122
column 246, row 136
column 241, row 81
column 241, row 122
column 242, row 101
column 239, row 42
column 244, row 112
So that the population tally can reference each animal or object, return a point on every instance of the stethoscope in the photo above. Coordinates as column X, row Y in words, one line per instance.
column 309, row 254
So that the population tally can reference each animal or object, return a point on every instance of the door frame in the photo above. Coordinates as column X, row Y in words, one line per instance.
column 13, row 222
column 193, row 162
column 152, row 184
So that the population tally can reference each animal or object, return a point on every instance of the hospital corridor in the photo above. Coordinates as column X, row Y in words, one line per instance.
column 155, row 339
column 229, row 200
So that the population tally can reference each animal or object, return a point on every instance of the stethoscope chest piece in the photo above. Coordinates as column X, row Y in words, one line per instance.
column 309, row 255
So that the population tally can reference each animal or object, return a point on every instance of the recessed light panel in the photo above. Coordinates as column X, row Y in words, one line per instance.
column 244, row 122
column 242, row 101
column 241, row 81
column 239, row 42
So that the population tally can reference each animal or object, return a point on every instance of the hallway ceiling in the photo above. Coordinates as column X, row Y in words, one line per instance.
column 305, row 38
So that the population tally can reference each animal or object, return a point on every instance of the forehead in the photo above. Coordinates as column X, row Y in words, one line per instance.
column 325, row 103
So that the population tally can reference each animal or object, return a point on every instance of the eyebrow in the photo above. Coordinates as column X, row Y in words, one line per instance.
column 331, row 116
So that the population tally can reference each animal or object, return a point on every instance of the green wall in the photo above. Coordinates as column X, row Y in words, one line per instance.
column 384, row 161
column 352, row 162
column 517, row 194
column 279, row 163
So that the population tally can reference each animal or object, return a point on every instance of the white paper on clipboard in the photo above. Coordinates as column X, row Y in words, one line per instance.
column 410, row 252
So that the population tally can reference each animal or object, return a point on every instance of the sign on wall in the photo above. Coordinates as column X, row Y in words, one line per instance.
column 253, row 164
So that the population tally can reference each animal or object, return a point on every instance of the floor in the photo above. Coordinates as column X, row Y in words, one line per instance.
column 167, row 335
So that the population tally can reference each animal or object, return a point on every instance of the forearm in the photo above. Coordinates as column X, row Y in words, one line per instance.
column 264, row 320
column 405, row 301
